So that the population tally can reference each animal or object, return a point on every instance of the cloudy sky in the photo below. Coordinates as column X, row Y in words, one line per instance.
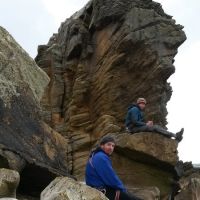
column 33, row 22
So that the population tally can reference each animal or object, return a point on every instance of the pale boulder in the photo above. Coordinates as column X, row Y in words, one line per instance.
column 63, row 188
column 9, row 181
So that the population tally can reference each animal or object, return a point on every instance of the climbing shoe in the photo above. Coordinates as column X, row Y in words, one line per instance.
column 179, row 135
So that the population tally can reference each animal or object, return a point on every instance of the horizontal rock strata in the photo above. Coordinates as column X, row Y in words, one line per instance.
column 102, row 59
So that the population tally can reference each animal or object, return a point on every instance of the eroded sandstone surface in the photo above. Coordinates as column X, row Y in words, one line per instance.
column 102, row 59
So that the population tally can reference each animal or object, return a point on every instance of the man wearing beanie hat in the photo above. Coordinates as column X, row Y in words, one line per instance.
column 135, row 122
column 106, row 139
column 101, row 175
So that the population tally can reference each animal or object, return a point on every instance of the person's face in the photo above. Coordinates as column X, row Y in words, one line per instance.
column 142, row 106
column 108, row 147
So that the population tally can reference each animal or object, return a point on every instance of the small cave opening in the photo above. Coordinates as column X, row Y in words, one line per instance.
column 33, row 180
column 3, row 162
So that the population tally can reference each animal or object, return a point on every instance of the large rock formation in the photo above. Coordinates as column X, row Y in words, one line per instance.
column 103, row 58
column 27, row 144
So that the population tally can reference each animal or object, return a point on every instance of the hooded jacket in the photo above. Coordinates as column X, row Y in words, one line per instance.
column 100, row 174
column 134, row 117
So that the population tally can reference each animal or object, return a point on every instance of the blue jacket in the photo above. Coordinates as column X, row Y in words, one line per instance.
column 134, row 117
column 100, row 174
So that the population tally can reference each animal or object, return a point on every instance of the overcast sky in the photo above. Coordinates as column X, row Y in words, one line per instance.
column 32, row 22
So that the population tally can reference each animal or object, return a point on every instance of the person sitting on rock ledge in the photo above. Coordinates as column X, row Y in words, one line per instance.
column 135, row 122
column 100, row 174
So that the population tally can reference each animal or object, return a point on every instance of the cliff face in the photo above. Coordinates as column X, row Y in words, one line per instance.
column 102, row 59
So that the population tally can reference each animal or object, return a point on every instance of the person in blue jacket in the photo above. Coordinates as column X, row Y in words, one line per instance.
column 135, row 122
column 101, row 175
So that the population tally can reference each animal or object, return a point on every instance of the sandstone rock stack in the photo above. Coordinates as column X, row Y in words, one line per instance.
column 102, row 59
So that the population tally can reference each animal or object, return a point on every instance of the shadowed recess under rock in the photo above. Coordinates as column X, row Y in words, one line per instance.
column 3, row 162
column 33, row 180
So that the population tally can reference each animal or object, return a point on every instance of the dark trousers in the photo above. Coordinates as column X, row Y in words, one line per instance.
column 111, row 195
column 154, row 128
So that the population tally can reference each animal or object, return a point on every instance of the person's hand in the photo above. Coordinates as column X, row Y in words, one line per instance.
column 149, row 123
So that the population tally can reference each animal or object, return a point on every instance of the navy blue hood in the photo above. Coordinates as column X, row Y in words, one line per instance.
column 132, row 105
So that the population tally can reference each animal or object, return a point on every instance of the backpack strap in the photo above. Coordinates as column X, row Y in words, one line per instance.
column 117, row 194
